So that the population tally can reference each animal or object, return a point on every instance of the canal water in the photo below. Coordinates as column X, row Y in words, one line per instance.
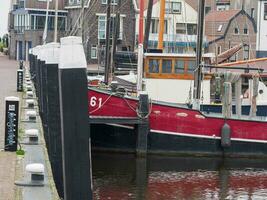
column 123, row 177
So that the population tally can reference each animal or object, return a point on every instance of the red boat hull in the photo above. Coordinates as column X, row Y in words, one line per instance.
column 188, row 130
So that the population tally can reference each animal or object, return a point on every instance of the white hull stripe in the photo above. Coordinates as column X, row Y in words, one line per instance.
column 206, row 136
column 192, row 135
column 122, row 126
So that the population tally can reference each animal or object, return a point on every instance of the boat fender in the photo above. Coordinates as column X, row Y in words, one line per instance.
column 226, row 135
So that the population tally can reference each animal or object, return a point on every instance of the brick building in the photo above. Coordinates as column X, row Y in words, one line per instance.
column 91, row 25
column 27, row 22
column 229, row 28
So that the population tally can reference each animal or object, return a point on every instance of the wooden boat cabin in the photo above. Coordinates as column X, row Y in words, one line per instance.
column 170, row 77
column 171, row 66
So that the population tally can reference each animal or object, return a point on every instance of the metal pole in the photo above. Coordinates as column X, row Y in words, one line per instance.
column 198, row 71
column 56, row 21
column 148, row 23
column 107, row 42
column 161, row 23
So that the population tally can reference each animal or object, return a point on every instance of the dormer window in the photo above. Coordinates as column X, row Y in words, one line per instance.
column 220, row 28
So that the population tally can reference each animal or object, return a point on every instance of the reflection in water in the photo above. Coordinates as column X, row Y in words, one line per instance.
column 122, row 177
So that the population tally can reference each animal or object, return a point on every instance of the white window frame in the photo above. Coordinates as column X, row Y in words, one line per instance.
column 113, row 2
column 113, row 15
column 71, row 2
column 177, row 12
column 247, row 51
column 94, row 48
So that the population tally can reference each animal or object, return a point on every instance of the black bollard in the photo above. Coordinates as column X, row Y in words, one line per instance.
column 19, row 80
column 142, row 129
column 11, row 123
column 74, row 120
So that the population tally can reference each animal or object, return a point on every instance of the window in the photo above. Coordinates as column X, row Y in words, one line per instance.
column 207, row 9
column 40, row 22
column 113, row 2
column 191, row 66
column 166, row 66
column 168, row 7
column 176, row 7
column 236, row 31
column 219, row 50
column 191, row 29
column 153, row 66
column 179, row 67
column 71, row 1
column 233, row 58
column 220, row 28
column 265, row 11
column 180, row 28
column 173, row 7
column 246, row 52
column 245, row 29
column 252, row 14
column 102, row 27
column 94, row 52
column 154, row 28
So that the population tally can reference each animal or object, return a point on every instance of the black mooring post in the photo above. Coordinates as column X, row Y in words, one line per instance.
column 141, row 175
column 142, row 129
column 19, row 80
column 74, row 120
column 11, row 123
column 53, row 115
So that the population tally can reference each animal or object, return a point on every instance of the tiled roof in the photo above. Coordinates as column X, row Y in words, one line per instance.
column 221, row 16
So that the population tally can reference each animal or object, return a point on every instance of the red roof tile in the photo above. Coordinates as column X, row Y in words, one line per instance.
column 221, row 16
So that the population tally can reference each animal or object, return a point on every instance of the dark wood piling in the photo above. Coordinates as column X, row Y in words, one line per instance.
column 74, row 120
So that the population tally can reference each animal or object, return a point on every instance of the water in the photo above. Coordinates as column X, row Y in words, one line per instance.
column 123, row 177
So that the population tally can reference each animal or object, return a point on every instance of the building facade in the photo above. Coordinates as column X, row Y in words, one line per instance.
column 91, row 22
column 180, row 32
column 27, row 22
column 230, row 28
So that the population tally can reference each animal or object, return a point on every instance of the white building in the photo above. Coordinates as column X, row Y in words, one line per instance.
column 180, row 26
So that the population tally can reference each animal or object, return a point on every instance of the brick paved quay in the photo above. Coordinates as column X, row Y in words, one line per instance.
column 8, row 70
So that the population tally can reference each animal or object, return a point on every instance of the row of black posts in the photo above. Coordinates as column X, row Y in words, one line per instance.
column 62, row 98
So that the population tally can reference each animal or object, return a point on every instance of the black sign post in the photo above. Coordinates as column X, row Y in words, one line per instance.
column 11, row 123
column 20, row 80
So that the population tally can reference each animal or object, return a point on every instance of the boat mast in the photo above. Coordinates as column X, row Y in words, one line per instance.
column 46, row 22
column 198, row 71
column 161, row 24
column 56, row 20
column 107, row 67
column 148, row 23
column 140, row 48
